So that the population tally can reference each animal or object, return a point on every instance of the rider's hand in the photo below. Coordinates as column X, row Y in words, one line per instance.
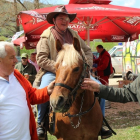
column 94, row 69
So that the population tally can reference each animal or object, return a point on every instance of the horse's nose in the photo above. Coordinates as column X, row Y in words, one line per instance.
column 60, row 101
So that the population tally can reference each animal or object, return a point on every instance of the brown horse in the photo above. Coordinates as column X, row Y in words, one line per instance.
column 78, row 113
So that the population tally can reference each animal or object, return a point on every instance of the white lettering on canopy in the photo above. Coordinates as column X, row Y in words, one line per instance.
column 132, row 20
column 82, row 26
column 116, row 37
column 97, row 8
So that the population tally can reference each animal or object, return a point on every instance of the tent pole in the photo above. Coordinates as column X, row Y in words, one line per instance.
column 88, row 32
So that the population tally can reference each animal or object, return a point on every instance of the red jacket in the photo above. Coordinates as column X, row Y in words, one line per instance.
column 33, row 96
column 104, row 67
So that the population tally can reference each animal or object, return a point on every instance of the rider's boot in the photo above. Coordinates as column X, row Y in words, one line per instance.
column 40, row 132
column 105, row 133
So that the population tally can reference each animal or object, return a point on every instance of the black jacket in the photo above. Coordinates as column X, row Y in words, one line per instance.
column 128, row 93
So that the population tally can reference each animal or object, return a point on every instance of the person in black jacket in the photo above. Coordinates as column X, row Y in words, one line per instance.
column 26, row 68
column 128, row 93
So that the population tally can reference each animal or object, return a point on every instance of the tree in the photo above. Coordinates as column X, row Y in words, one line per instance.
column 11, row 8
column 36, row 4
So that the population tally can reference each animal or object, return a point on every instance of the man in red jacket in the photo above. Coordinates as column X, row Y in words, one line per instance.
column 104, row 65
column 16, row 94
column 103, row 71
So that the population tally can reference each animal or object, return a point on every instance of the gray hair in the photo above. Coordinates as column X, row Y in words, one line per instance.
column 3, row 52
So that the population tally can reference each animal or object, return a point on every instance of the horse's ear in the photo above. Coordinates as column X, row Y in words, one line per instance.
column 76, row 44
column 58, row 45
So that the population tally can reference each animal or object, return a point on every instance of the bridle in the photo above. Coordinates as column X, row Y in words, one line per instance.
column 73, row 93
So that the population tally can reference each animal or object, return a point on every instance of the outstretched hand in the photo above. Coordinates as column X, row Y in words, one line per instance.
column 50, row 87
column 91, row 85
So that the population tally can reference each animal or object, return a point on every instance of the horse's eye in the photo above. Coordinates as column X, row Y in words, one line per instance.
column 76, row 69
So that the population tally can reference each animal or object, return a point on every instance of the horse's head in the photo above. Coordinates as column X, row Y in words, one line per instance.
column 69, row 66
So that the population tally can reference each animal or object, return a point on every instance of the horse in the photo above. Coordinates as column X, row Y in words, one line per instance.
column 78, row 114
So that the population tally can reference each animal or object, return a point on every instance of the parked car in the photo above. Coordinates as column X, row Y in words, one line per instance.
column 95, row 54
column 116, row 59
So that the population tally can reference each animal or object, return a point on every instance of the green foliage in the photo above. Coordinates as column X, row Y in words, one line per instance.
column 106, row 45
column 51, row 137
column 2, row 38
column 24, row 51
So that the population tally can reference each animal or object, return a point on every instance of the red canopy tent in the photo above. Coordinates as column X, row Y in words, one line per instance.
column 22, row 41
column 96, row 19
column 89, row 1
column 19, row 41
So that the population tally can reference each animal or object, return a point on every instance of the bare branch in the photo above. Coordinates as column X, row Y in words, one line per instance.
column 36, row 4
column 22, row 4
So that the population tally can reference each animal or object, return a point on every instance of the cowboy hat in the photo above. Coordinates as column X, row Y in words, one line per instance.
column 59, row 10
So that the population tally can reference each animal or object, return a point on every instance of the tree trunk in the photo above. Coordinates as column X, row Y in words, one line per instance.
column 17, row 27
column 36, row 4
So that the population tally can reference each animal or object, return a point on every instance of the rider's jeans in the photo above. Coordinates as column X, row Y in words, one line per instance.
column 45, row 81
column 47, row 78
column 102, row 101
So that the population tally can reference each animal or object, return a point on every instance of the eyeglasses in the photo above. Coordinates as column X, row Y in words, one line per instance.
column 23, row 58
column 64, row 19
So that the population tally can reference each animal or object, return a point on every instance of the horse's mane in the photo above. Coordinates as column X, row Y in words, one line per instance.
column 68, row 55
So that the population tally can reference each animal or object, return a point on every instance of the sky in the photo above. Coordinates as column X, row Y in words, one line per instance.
column 128, row 3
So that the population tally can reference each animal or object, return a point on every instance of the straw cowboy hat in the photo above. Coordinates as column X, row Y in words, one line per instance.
column 59, row 10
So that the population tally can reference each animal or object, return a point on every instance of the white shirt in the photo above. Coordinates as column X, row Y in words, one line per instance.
column 14, row 111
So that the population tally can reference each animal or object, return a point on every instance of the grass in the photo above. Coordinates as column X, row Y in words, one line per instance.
column 129, row 133
column 125, row 123
column 51, row 137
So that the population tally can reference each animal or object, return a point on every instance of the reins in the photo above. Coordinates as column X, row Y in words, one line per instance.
column 82, row 113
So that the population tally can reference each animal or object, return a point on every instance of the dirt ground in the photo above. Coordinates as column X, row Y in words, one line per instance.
column 122, row 115
column 120, row 107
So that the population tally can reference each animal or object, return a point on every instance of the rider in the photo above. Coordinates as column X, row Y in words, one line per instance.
column 46, row 52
